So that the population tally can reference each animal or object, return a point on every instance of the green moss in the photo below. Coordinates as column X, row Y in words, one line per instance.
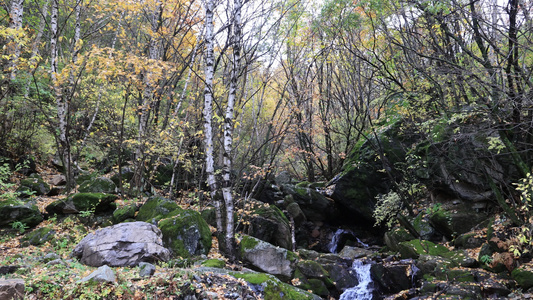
column 124, row 213
column 157, row 208
column 523, row 277
column 456, row 275
column 214, row 263
column 291, row 256
column 248, row 242
column 414, row 248
column 317, row 286
column 272, row 212
column 274, row 289
column 38, row 237
column 254, row 278
column 92, row 201
column 186, row 234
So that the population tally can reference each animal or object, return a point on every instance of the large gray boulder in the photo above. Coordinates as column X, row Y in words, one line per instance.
column 268, row 258
column 11, row 289
column 125, row 244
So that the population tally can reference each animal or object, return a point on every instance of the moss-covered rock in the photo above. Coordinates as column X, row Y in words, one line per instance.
column 15, row 210
column 98, row 185
column 186, row 234
column 523, row 277
column 121, row 214
column 83, row 202
column 414, row 248
column 315, row 206
column 269, row 224
column 395, row 236
column 157, row 208
column 38, row 236
column 468, row 241
column 273, row 289
column 267, row 258
column 313, row 277
column 34, row 185
column 214, row 263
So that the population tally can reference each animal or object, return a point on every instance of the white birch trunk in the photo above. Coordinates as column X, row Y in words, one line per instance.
column 61, row 102
column 17, row 10
column 228, row 128
column 208, row 108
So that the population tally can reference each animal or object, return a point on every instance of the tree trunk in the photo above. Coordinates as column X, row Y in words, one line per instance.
column 228, row 131
column 17, row 10
column 208, row 108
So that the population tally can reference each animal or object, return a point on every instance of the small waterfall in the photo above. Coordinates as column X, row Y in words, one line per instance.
column 334, row 243
column 336, row 239
column 362, row 291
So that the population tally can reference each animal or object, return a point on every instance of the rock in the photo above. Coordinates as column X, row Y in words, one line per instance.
column 146, row 269
column 123, row 213
column 8, row 269
column 296, row 213
column 283, row 177
column 186, row 234
column 38, row 236
column 50, row 257
column 394, row 277
column 34, row 185
column 395, row 236
column 27, row 166
column 414, row 248
column 76, row 203
column 125, row 244
column 102, row 274
column 315, row 206
column 523, row 277
column 352, row 253
column 269, row 224
column 127, row 175
column 17, row 210
column 341, row 275
column 58, row 180
column 11, row 289
column 273, row 289
column 267, row 258
column 98, row 185
column 468, row 241
column 214, row 263
column 313, row 277
column 157, row 208
column 362, row 178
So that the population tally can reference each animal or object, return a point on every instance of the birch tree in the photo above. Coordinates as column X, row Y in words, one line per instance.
column 17, row 11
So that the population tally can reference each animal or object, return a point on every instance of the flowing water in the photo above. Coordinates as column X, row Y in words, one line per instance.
column 362, row 291
column 335, row 239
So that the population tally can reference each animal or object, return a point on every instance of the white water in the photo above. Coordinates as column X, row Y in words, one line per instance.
column 334, row 243
column 362, row 291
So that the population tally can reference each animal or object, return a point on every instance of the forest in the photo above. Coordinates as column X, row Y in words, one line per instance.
column 396, row 122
